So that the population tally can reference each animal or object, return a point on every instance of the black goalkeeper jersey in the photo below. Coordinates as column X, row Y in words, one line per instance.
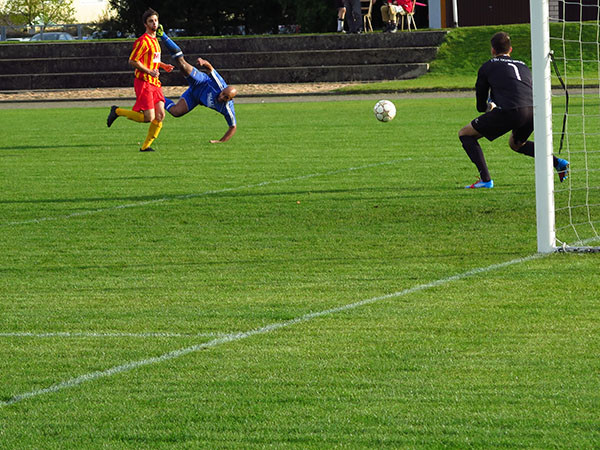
column 506, row 81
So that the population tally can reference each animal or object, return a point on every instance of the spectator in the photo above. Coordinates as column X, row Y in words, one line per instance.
column 406, row 5
column 354, row 16
column 389, row 9
column 341, row 15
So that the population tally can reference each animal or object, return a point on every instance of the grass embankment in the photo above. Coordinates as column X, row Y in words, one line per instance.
column 465, row 49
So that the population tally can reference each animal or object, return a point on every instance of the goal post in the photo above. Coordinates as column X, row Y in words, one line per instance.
column 565, row 36
column 542, row 106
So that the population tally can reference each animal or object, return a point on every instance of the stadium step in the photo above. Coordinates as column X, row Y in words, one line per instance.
column 285, row 59
column 314, row 58
column 79, row 80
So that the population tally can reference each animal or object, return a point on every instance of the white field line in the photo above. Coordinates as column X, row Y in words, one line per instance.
column 201, row 194
column 91, row 334
column 258, row 331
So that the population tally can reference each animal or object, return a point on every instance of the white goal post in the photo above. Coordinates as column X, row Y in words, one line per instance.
column 565, row 34
column 542, row 123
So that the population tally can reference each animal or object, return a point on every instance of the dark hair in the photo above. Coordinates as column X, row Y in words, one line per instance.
column 501, row 42
column 149, row 12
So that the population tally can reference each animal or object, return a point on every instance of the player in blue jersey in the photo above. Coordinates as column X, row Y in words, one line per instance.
column 208, row 89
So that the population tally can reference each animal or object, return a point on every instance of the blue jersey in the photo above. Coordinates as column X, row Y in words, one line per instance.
column 204, row 90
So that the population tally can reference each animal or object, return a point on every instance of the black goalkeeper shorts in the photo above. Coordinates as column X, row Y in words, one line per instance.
column 497, row 122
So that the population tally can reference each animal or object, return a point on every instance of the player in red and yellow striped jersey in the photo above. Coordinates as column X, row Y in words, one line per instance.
column 150, row 101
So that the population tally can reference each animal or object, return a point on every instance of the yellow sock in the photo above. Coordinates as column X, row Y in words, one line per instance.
column 153, row 131
column 136, row 116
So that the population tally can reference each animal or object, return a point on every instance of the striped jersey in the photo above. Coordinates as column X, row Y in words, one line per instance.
column 146, row 50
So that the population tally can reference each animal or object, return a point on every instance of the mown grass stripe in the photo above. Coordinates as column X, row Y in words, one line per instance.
column 73, row 382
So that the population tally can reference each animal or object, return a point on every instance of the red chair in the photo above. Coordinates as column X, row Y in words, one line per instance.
column 409, row 13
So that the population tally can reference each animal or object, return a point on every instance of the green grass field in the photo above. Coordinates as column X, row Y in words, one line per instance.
column 321, row 280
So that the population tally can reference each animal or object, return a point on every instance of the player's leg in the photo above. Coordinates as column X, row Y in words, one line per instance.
column 523, row 128
column 142, row 102
column 116, row 112
column 171, row 46
column 175, row 51
column 184, row 67
column 158, row 114
column 176, row 109
column 528, row 148
column 185, row 104
column 519, row 143
column 149, row 115
column 142, row 111
column 469, row 138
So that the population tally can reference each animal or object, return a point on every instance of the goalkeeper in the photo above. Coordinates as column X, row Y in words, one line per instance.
column 207, row 89
column 504, row 93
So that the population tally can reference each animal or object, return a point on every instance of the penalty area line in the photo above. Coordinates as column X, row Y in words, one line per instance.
column 73, row 382
column 200, row 194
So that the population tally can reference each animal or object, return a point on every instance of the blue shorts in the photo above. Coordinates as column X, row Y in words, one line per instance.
column 195, row 79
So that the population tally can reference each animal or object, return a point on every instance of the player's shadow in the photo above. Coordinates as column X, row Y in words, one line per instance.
column 254, row 262
column 396, row 192
column 305, row 195
column 109, row 200
column 44, row 147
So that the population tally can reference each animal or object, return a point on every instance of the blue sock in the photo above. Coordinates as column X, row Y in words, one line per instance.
column 172, row 46
column 169, row 103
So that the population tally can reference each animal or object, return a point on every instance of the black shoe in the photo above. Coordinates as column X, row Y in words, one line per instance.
column 112, row 116
column 149, row 149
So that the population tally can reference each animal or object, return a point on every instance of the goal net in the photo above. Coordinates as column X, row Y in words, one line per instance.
column 565, row 42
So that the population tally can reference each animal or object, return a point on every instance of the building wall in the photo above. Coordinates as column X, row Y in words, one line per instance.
column 500, row 12
column 574, row 11
column 553, row 9
column 489, row 12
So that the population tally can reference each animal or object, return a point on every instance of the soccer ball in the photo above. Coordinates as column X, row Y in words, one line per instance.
column 384, row 110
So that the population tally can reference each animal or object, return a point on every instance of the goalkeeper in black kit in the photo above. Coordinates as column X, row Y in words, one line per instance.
column 504, row 93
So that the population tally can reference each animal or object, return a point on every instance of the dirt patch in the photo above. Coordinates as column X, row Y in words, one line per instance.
column 169, row 91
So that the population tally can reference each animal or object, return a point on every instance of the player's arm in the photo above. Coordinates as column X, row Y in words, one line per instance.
column 228, row 135
column 166, row 67
column 482, row 92
column 204, row 64
column 142, row 68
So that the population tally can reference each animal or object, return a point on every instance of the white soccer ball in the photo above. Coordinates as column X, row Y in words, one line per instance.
column 384, row 110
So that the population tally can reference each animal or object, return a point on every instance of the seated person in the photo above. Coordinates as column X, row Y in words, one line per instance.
column 389, row 13
column 406, row 5
column 389, row 9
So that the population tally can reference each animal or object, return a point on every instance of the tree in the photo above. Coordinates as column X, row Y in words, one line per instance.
column 38, row 12
column 210, row 17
